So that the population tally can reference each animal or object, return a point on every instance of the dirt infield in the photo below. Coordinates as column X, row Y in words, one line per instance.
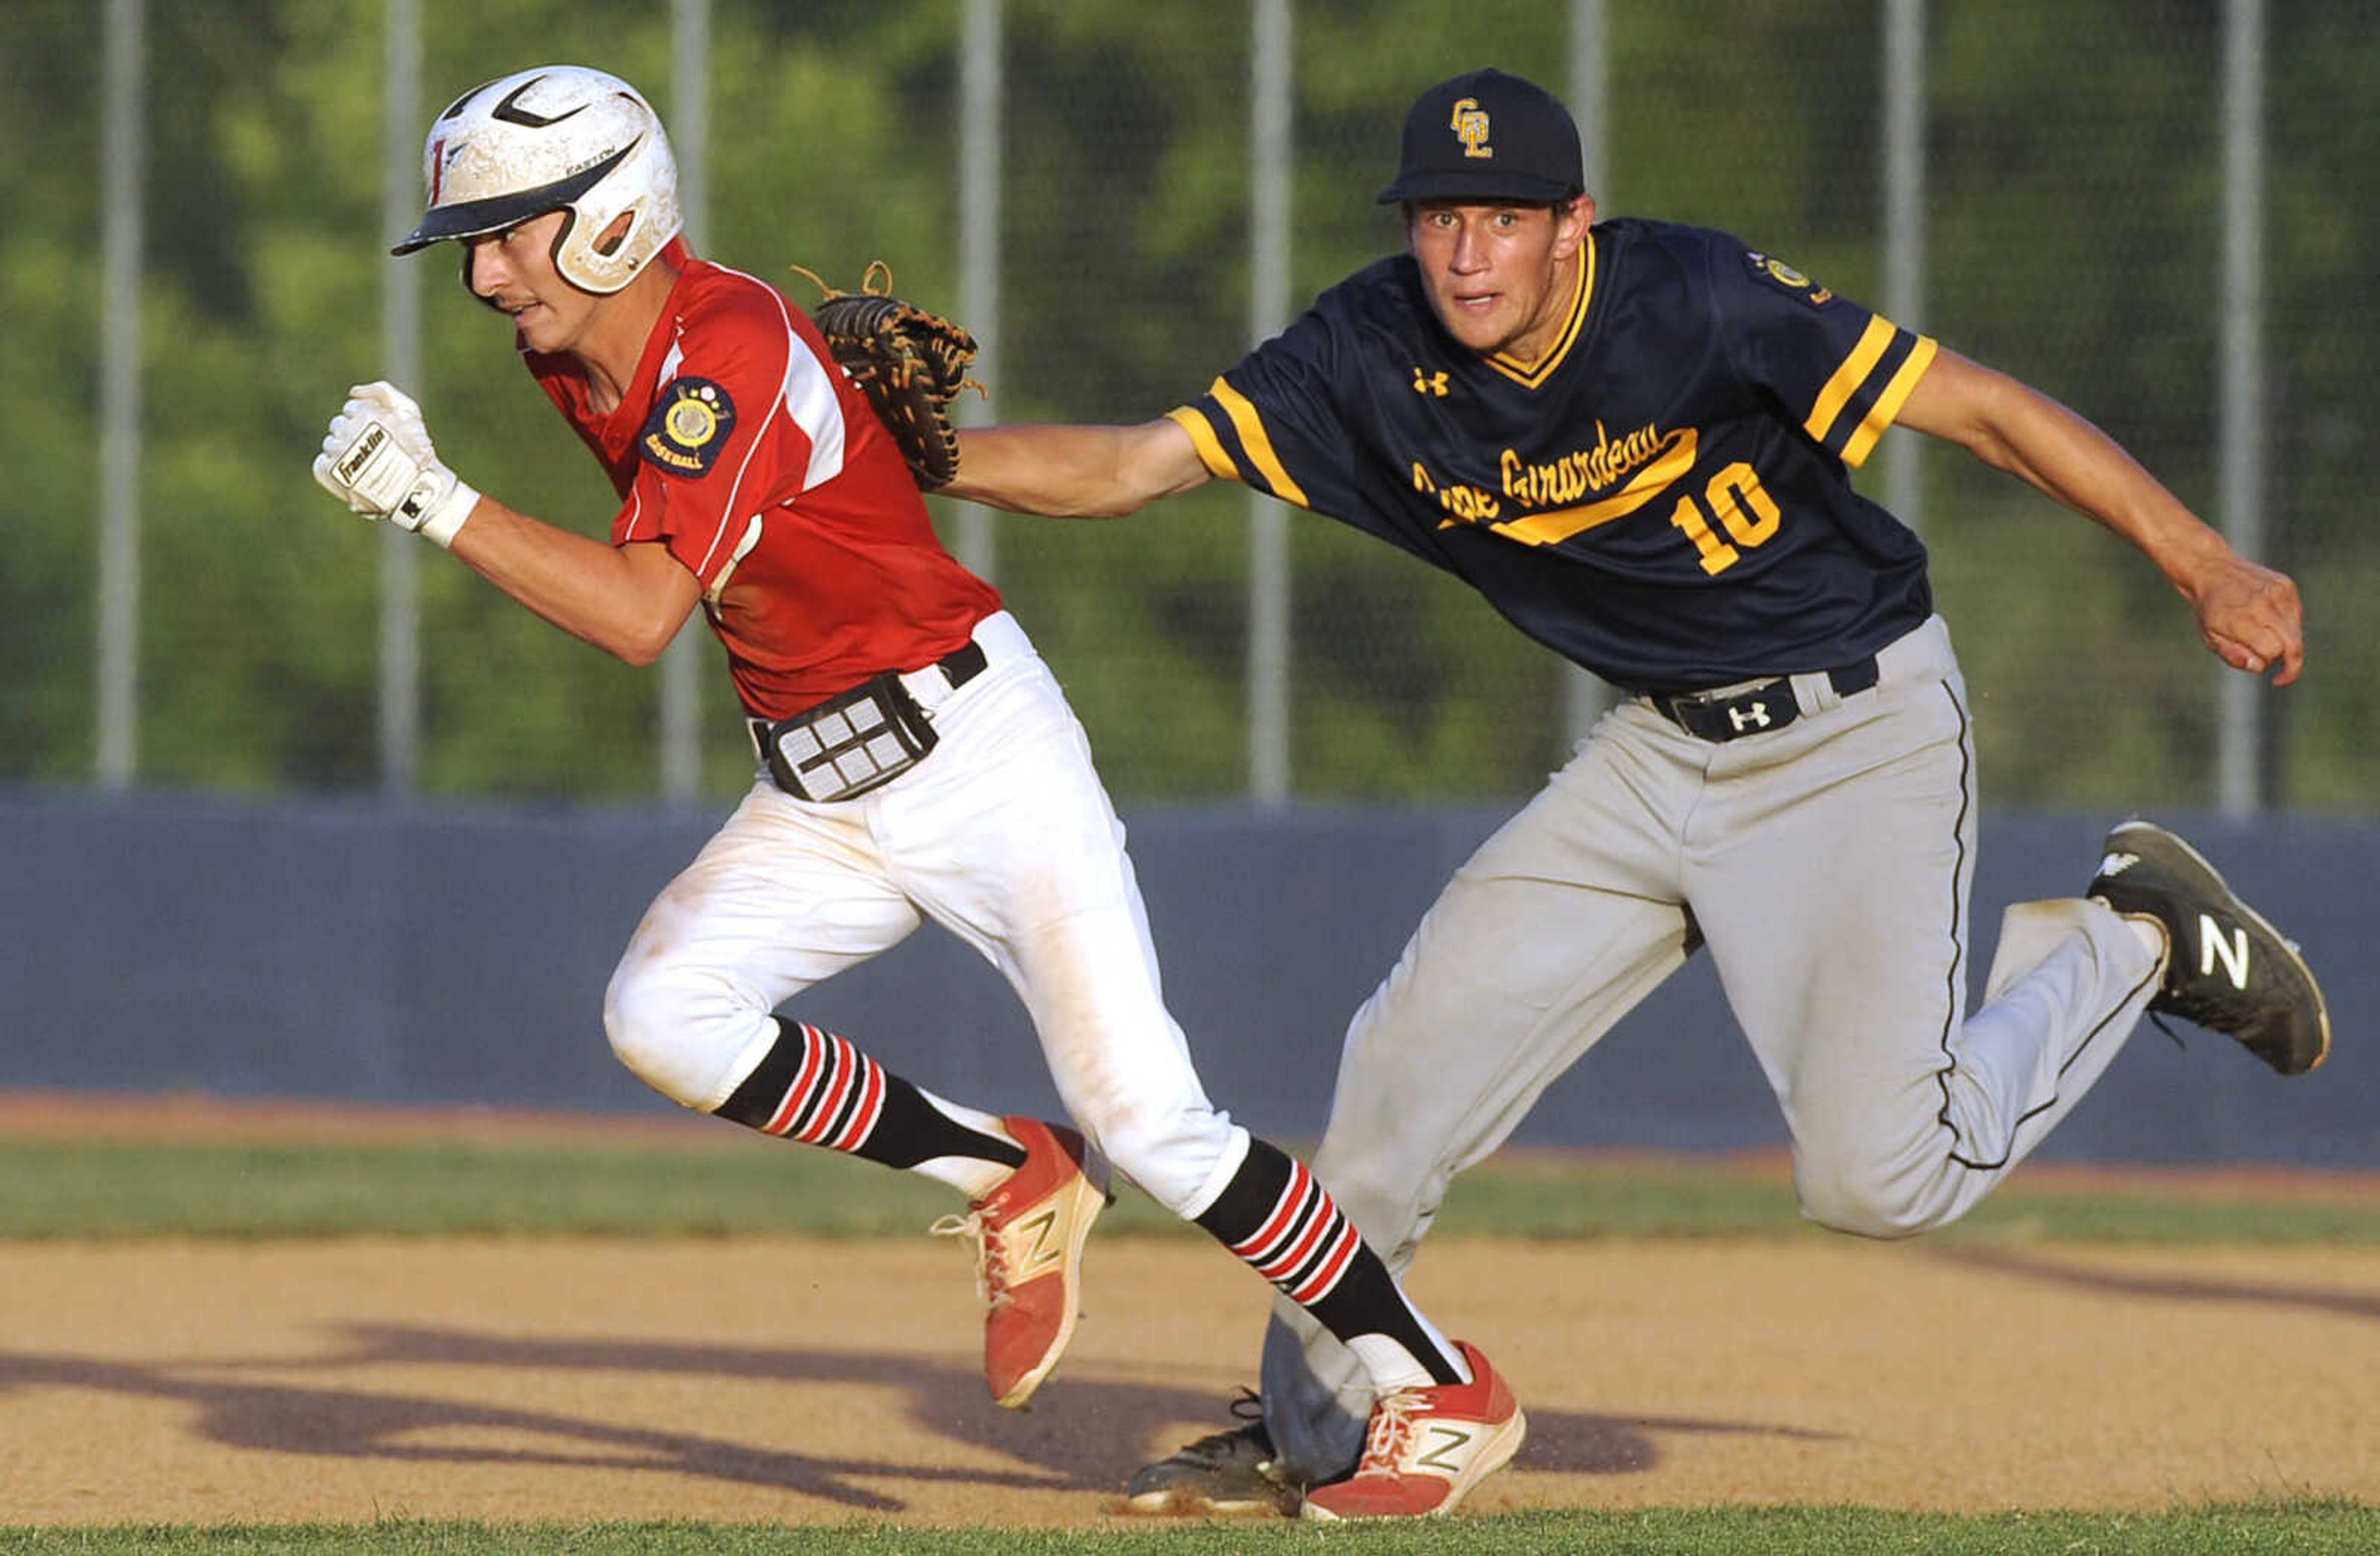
column 798, row 1381
column 795, row 1380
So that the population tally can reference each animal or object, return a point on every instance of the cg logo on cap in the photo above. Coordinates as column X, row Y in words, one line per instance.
column 1469, row 123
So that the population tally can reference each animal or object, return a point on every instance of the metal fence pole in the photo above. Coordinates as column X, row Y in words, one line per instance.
column 122, row 172
column 1904, row 225
column 679, row 732
column 979, row 159
column 1270, row 150
column 2240, row 413
column 1584, row 698
column 400, row 349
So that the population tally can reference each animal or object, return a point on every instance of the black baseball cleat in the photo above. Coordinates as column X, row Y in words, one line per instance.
column 2226, row 968
column 1229, row 1472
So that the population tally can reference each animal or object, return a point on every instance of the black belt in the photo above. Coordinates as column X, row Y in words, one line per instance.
column 965, row 663
column 1753, row 710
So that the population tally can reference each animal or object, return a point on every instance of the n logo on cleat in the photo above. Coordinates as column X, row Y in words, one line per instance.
column 1453, row 1440
column 1035, row 1233
column 2232, row 953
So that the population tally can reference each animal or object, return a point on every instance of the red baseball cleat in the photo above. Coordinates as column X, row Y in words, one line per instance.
column 1426, row 1449
column 1028, row 1237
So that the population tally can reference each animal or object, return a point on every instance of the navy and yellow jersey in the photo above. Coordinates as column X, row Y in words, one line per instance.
column 1662, row 499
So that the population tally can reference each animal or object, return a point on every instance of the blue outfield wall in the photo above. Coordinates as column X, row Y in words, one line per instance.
column 358, row 949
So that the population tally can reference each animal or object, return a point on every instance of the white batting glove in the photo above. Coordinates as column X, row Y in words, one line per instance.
column 378, row 460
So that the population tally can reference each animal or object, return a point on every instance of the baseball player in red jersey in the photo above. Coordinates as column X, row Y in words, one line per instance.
column 918, row 758
column 1632, row 437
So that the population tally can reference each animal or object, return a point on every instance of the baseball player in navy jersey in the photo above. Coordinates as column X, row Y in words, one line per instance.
column 1632, row 438
column 916, row 758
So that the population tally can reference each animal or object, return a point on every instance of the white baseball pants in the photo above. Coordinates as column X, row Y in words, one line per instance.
column 1005, row 837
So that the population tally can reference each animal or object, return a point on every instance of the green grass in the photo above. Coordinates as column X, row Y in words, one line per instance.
column 51, row 1190
column 2299, row 1528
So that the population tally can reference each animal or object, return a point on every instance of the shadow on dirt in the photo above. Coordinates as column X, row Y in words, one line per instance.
column 1080, row 1435
column 2051, row 1270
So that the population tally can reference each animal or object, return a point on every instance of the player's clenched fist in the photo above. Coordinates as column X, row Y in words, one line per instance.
column 377, row 459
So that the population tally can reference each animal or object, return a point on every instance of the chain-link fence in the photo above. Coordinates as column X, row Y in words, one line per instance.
column 2159, row 211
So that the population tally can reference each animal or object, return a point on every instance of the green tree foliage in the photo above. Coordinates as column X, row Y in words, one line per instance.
column 49, row 324
column 2075, row 180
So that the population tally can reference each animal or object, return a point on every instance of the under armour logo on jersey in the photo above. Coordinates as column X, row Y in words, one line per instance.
column 1429, row 383
column 1469, row 123
column 1751, row 716
column 2233, row 952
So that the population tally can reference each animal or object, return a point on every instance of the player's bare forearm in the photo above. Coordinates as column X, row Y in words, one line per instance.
column 1074, row 472
column 2249, row 614
column 628, row 601
column 2017, row 429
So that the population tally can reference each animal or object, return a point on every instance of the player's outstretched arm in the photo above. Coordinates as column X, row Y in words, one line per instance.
column 1075, row 472
column 379, row 460
column 628, row 601
column 2249, row 614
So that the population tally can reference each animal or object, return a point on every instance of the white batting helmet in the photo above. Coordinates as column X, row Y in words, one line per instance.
column 558, row 138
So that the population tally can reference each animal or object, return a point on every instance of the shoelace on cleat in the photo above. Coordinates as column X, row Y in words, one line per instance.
column 1392, row 1429
column 990, row 1266
column 1217, row 1448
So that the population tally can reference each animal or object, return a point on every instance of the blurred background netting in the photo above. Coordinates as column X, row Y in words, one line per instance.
column 2073, row 159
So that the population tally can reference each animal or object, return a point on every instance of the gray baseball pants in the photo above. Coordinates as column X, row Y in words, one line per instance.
column 1827, row 864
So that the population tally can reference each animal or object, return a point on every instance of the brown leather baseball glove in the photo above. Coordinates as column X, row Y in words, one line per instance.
column 911, row 364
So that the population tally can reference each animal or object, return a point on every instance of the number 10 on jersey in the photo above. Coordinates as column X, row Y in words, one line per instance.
column 1740, row 505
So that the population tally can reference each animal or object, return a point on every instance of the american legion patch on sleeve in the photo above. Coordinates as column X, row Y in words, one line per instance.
column 1776, row 273
column 691, row 419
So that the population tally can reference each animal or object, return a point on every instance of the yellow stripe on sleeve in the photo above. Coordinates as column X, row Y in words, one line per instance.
column 1250, row 427
column 1193, row 420
column 1849, row 377
column 1888, row 404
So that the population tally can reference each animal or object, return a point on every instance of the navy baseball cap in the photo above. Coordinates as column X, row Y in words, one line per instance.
column 1489, row 136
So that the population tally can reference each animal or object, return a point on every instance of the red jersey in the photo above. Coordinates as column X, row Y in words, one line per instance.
column 744, row 448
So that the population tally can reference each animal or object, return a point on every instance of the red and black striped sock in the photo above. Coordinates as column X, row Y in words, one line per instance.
column 820, row 1090
column 1276, row 1215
